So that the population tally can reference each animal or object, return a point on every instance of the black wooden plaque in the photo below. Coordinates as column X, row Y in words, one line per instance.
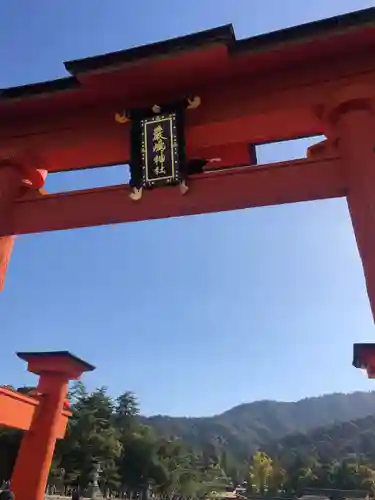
column 160, row 150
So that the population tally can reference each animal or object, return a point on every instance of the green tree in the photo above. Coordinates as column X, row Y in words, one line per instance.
column 91, row 436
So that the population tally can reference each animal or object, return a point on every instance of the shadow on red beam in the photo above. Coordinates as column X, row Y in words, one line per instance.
column 239, row 188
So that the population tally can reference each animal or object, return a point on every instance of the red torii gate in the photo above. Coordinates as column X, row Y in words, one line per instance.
column 317, row 78
column 43, row 416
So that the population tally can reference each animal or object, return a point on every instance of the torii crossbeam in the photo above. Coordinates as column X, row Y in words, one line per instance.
column 314, row 79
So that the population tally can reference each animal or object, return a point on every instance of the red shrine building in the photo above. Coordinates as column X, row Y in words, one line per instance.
column 186, row 115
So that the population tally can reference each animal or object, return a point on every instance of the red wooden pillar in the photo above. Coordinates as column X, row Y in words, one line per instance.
column 15, row 179
column 10, row 185
column 34, row 458
column 353, row 124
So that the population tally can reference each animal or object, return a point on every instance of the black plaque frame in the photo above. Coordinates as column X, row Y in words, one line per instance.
column 160, row 166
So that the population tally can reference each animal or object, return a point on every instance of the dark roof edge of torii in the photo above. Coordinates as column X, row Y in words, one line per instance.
column 304, row 33
column 226, row 35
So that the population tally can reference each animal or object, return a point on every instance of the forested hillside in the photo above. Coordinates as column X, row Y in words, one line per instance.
column 343, row 440
column 278, row 448
column 249, row 426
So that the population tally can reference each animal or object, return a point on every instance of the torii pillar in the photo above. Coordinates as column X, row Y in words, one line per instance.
column 16, row 179
column 10, row 185
column 350, row 127
column 31, row 470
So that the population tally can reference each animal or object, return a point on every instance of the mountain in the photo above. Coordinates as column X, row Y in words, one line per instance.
column 244, row 428
column 355, row 438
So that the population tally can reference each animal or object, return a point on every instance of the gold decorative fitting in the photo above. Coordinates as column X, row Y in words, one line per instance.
column 184, row 188
column 156, row 109
column 194, row 102
column 121, row 117
column 136, row 194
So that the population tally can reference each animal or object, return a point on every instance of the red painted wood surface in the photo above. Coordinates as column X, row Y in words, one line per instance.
column 44, row 418
column 18, row 411
column 248, row 97
column 287, row 182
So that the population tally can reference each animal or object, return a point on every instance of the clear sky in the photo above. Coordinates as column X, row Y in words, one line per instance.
column 254, row 304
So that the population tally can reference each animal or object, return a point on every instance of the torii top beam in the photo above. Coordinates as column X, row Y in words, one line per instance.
column 253, row 90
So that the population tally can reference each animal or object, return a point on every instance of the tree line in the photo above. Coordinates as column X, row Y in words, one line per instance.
column 133, row 459
column 303, row 473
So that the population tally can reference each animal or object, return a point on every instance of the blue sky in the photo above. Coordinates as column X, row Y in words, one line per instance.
column 255, row 304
